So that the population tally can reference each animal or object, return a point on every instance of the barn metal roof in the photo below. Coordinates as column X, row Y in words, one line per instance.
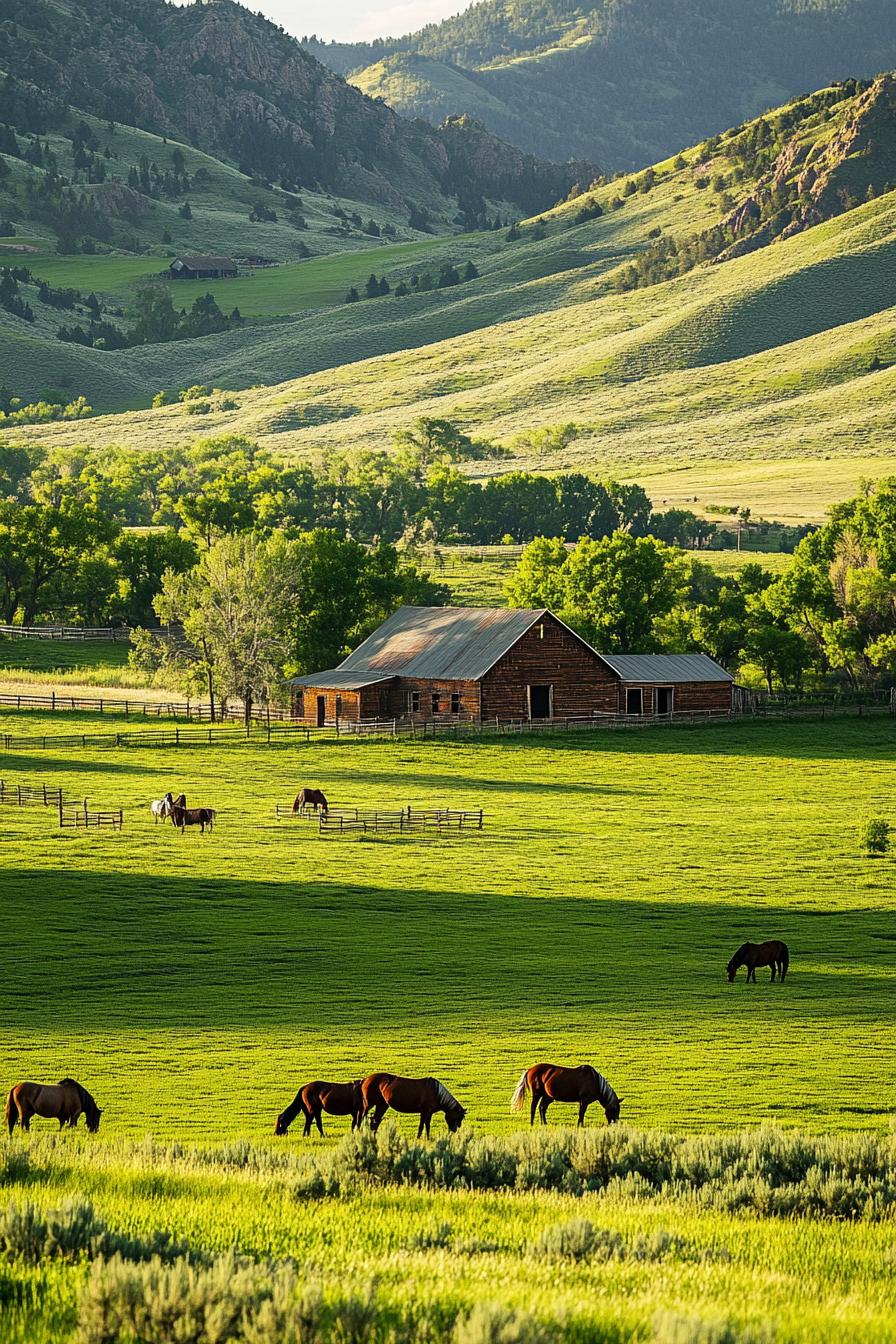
column 196, row 260
column 337, row 680
column 449, row 643
column 665, row 667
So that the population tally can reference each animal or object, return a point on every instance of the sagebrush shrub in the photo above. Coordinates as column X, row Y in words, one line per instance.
column 490, row 1323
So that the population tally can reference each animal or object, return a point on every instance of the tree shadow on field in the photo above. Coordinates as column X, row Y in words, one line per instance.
column 41, row 764
column 139, row 952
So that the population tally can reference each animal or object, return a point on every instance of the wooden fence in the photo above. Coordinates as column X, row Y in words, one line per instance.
column 69, row 813
column 20, row 795
column 147, row 709
column 120, row 633
column 80, row 815
column 407, row 820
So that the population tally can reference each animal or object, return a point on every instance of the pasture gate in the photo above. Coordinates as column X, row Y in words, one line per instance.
column 20, row 795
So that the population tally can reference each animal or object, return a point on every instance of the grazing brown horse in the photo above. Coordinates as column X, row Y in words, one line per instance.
column 410, row 1096
column 313, row 1098
column 751, row 955
column 555, row 1082
column 310, row 798
column 63, row 1101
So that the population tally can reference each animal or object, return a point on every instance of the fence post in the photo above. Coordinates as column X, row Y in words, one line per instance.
column 85, row 814
column 176, row 736
column 53, row 699
column 60, row 807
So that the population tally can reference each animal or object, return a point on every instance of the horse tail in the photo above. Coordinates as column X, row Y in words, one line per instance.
column 12, row 1113
column 785, row 959
column 519, row 1097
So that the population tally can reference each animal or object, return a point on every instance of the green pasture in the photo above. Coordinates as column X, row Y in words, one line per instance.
column 591, row 919
column 318, row 282
column 194, row 982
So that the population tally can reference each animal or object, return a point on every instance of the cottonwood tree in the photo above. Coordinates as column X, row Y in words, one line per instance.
column 43, row 548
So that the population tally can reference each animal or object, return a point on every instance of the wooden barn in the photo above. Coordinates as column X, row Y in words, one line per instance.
column 498, row 663
column 202, row 268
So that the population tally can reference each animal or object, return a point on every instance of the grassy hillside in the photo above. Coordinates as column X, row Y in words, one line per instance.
column 784, row 415
column 624, row 83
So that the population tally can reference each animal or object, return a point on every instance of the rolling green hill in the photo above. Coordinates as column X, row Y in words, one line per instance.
column 764, row 379
column 622, row 81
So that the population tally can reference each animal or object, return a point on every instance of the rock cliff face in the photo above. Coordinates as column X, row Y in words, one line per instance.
column 814, row 180
column 228, row 81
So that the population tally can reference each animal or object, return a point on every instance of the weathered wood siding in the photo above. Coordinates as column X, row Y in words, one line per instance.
column 404, row 688
column 549, row 655
column 688, row 697
column 304, row 706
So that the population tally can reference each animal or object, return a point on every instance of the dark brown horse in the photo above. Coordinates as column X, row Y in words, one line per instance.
column 63, row 1101
column 751, row 955
column 183, row 816
column 410, row 1096
column 310, row 798
column 313, row 1098
column 556, row 1082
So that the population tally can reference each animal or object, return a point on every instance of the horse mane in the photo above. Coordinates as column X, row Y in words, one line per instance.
column 739, row 954
column 605, row 1091
column 445, row 1097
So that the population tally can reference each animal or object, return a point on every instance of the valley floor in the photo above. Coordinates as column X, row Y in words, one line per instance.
column 192, row 983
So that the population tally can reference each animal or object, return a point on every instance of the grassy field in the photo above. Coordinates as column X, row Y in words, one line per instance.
column 248, row 983
column 318, row 282
column 192, row 983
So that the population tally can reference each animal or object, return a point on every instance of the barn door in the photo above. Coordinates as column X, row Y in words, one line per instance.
column 634, row 700
column 664, row 699
column 541, row 702
column 321, row 711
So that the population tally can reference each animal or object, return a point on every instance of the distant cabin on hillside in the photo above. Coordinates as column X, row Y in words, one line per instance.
column 202, row 268
column 496, row 663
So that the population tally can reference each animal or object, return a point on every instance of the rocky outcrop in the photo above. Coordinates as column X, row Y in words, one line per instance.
column 811, row 181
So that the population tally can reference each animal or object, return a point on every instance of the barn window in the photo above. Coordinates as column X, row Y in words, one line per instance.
column 634, row 700
column 339, row 706
column 299, row 710
column 664, row 699
column 455, row 702
column 414, row 702
column 435, row 702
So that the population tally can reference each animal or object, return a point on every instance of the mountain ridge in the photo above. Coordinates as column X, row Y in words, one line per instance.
column 625, row 82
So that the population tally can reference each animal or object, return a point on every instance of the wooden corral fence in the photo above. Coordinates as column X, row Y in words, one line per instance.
column 20, row 795
column 193, row 710
column 81, row 815
column 69, row 813
column 407, row 820
column 115, row 633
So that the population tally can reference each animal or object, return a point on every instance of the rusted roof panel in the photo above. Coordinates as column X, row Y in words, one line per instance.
column 338, row 680
column 442, row 643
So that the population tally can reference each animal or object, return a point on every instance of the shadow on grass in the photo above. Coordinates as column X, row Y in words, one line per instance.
column 142, row 951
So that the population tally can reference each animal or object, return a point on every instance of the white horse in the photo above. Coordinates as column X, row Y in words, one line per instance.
column 161, row 807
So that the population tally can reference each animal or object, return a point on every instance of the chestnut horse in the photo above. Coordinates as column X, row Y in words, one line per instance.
column 410, row 1096
column 555, row 1082
column 63, row 1101
column 313, row 1098
column 751, row 955
column 310, row 798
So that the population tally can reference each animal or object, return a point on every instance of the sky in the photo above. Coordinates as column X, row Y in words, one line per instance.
column 355, row 20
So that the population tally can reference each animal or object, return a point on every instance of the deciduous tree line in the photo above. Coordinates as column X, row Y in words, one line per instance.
column 832, row 614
